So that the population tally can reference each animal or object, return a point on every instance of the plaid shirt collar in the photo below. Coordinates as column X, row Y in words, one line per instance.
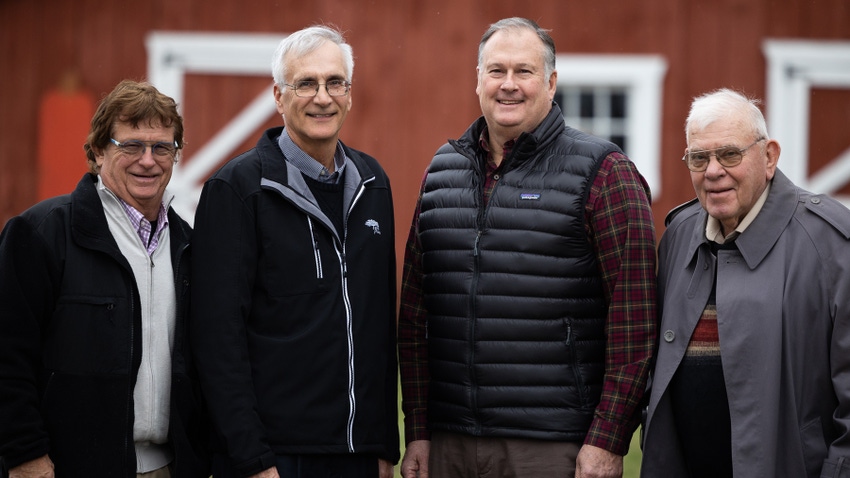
column 484, row 144
column 143, row 227
column 491, row 169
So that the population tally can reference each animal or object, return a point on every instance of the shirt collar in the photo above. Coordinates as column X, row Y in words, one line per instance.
column 713, row 232
column 140, row 224
column 309, row 166
column 484, row 144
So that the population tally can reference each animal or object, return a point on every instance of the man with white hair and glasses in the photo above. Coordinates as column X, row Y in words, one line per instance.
column 752, row 376
column 294, row 317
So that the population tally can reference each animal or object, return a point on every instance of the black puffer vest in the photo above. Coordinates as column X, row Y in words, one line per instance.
column 515, row 301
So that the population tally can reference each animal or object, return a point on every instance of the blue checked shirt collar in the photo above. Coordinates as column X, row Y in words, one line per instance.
column 309, row 166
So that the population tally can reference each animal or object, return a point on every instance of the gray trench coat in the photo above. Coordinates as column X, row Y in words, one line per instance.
column 783, row 313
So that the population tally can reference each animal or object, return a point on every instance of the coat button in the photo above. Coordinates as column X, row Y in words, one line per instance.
column 815, row 200
column 669, row 336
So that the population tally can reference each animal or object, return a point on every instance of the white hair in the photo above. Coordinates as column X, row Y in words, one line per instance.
column 715, row 105
column 306, row 41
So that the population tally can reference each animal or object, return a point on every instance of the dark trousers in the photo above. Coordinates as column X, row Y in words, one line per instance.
column 311, row 466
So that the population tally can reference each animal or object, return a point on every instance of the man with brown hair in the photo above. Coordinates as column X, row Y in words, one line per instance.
column 95, row 378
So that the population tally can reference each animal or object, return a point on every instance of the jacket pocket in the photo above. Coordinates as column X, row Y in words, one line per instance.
column 570, row 341
column 89, row 334
column 814, row 446
column 296, row 263
column 317, row 253
column 86, row 416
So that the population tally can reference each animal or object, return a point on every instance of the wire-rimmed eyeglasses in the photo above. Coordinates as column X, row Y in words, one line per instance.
column 727, row 156
column 136, row 149
column 310, row 88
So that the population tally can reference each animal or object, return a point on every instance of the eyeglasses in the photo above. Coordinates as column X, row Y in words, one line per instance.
column 727, row 156
column 310, row 88
column 136, row 149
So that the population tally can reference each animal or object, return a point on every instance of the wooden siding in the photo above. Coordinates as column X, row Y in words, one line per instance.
column 415, row 68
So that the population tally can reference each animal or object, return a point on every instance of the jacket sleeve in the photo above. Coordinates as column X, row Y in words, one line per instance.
column 28, row 279
column 393, row 452
column 622, row 232
column 223, row 267
column 412, row 337
column 837, row 463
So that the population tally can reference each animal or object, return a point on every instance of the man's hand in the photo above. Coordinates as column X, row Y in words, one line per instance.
column 385, row 469
column 267, row 473
column 415, row 462
column 41, row 467
column 595, row 462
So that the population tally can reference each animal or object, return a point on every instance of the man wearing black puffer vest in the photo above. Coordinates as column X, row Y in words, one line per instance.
column 527, row 317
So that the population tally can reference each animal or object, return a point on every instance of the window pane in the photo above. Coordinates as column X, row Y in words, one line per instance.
column 618, row 105
column 597, row 110
column 586, row 108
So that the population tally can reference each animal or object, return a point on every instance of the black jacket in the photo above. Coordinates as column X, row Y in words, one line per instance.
column 70, row 343
column 294, row 326
column 515, row 299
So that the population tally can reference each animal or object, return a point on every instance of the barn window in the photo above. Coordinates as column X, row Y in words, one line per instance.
column 617, row 97
column 599, row 111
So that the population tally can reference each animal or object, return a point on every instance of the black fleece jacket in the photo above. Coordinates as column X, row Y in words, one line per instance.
column 70, row 344
column 294, row 325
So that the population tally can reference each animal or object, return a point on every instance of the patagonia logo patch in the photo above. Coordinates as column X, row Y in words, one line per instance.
column 529, row 196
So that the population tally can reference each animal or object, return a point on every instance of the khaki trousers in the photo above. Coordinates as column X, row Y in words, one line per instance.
column 463, row 456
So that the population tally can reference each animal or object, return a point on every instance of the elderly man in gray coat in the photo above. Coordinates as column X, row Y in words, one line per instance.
column 752, row 377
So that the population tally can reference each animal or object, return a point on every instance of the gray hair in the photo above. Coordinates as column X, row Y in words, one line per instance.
column 518, row 23
column 715, row 105
column 306, row 41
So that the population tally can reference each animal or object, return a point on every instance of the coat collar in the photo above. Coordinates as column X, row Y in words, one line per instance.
column 275, row 170
column 760, row 237
column 89, row 227
column 528, row 144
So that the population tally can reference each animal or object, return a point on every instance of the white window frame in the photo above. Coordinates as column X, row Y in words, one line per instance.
column 642, row 76
column 605, row 125
column 794, row 67
column 173, row 55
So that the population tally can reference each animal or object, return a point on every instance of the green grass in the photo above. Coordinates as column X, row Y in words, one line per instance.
column 631, row 464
